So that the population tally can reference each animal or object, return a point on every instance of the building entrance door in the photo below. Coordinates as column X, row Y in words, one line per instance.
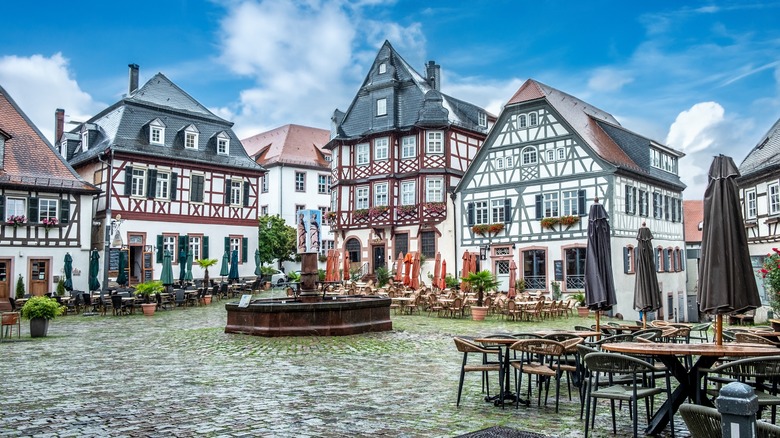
column 379, row 257
column 5, row 284
column 39, row 277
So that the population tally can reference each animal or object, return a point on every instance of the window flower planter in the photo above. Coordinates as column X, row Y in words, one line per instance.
column 569, row 220
column 375, row 212
column 406, row 209
column 484, row 229
column 16, row 221
column 550, row 222
column 435, row 207
column 360, row 214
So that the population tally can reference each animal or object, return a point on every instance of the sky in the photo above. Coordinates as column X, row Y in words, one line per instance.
column 702, row 77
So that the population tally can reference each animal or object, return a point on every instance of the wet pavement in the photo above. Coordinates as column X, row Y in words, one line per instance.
column 177, row 374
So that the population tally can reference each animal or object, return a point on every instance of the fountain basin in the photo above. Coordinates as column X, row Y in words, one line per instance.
column 334, row 316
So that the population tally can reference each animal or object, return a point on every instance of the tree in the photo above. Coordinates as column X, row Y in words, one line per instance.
column 276, row 240
column 205, row 264
column 481, row 281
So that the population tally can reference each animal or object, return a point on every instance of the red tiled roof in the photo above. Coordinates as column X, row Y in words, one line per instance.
column 29, row 159
column 693, row 212
column 289, row 144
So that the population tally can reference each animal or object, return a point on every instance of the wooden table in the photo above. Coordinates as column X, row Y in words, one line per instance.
column 506, row 393
column 689, row 378
column 582, row 334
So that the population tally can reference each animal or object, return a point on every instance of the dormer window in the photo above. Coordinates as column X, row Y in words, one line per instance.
column 482, row 119
column 84, row 140
column 381, row 107
column 156, row 132
column 191, row 137
column 663, row 161
column 382, row 68
column 223, row 144
column 63, row 147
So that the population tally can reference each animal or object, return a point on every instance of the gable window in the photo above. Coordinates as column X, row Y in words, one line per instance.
column 663, row 161
column 156, row 132
column 361, row 198
column 223, row 144
column 138, row 183
column 14, row 207
column 773, row 190
column 550, row 155
column 47, row 209
column 196, row 188
column 380, row 194
column 300, row 181
column 529, row 155
column 382, row 68
column 532, row 119
column 361, row 154
column 408, row 193
column 499, row 163
column 264, row 183
column 481, row 215
column 409, row 146
column 85, row 140
column 551, row 204
column 162, row 189
column 434, row 142
column 235, row 192
column 323, row 184
column 381, row 107
column 508, row 162
column 522, row 121
column 434, row 190
column 381, row 148
column 191, row 137
column 482, row 119
column 561, row 153
column 497, row 211
column 750, row 204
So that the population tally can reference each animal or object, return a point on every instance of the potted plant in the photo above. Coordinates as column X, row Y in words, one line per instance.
column 569, row 220
column 556, row 290
column 582, row 310
column 205, row 264
column 19, row 287
column 146, row 290
column 480, row 281
column 39, row 310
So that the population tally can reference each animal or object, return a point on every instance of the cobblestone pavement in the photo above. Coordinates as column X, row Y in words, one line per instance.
column 177, row 374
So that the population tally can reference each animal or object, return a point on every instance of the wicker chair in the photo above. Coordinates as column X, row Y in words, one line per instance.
column 751, row 338
column 762, row 373
column 484, row 367
column 540, row 358
column 704, row 422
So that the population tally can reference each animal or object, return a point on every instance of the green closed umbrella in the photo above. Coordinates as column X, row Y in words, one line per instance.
column 223, row 271
column 166, row 277
column 94, row 269
column 121, row 279
column 233, row 274
column 188, row 274
column 182, row 265
column 68, row 272
column 257, row 262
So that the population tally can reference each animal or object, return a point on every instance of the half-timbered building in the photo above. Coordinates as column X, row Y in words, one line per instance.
column 174, row 177
column 298, row 175
column 45, row 209
column 527, row 194
column 759, row 185
column 398, row 151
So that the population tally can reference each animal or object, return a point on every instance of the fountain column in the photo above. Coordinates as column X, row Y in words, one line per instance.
column 309, row 277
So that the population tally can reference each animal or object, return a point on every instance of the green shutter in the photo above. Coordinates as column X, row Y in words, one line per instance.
column 128, row 180
column 2, row 208
column 32, row 210
column 152, row 186
column 205, row 248
column 183, row 246
column 227, row 244
column 159, row 248
column 507, row 210
column 174, row 181
column 244, row 249
column 64, row 211
column 246, row 195
column 227, row 192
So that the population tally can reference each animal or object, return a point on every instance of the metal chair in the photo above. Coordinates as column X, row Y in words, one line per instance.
column 704, row 422
column 540, row 358
column 701, row 332
column 762, row 373
column 466, row 347
column 9, row 320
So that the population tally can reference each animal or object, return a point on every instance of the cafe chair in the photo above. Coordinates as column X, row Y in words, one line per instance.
column 10, row 320
column 762, row 373
column 705, row 422
column 540, row 358
column 752, row 338
column 701, row 332
column 465, row 346
column 605, row 366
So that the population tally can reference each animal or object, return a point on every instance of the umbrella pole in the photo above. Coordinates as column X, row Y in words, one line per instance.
column 719, row 329
column 598, row 324
column 644, row 320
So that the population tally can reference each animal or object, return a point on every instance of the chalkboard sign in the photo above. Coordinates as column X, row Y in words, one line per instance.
column 558, row 270
column 147, row 260
column 148, row 274
column 113, row 259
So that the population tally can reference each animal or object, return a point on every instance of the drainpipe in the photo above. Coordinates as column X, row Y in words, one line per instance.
column 107, row 233
column 453, row 197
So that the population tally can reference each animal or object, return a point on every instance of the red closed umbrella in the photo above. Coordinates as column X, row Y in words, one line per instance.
column 415, row 271
column 346, row 265
column 442, row 279
column 464, row 272
column 512, row 279
column 399, row 272
column 408, row 269
column 437, row 270
column 473, row 262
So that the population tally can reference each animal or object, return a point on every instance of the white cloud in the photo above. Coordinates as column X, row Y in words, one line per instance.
column 39, row 85
column 609, row 79
column 692, row 130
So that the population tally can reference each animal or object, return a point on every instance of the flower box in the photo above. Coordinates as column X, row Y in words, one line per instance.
column 16, row 220
column 484, row 229
column 435, row 207
column 360, row 214
column 549, row 222
column 375, row 212
column 406, row 209
column 569, row 220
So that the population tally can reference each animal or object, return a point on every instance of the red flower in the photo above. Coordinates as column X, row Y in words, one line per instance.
column 777, row 251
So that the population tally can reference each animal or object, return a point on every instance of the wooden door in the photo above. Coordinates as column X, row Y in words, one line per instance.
column 5, row 284
column 39, row 277
column 379, row 257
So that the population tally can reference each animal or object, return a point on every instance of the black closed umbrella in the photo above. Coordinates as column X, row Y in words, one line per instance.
column 647, row 294
column 726, row 280
column 599, row 281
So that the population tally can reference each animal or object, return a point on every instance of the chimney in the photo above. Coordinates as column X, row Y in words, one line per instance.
column 133, row 86
column 433, row 71
column 59, row 124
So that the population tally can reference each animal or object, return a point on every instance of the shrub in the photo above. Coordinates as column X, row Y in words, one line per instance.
column 382, row 275
column 19, row 287
column 42, row 307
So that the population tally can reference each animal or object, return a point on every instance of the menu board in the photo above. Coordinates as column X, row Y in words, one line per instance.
column 148, row 274
column 113, row 259
column 558, row 269
column 148, row 261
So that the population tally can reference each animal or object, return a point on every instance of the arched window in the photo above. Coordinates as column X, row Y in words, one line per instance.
column 353, row 249
column 521, row 121
column 529, row 155
column 532, row 119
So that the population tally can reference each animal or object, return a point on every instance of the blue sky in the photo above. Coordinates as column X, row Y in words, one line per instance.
column 702, row 77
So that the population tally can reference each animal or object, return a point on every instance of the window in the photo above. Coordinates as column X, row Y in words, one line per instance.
column 223, row 144
column 550, row 155
column 482, row 119
column 658, row 211
column 47, row 209
column 323, row 184
column 630, row 201
column 326, row 245
column 85, row 140
column 499, row 163
column 643, row 207
column 409, row 146
column 264, row 183
column 428, row 243
column 481, row 213
column 497, row 212
column 551, row 204
column 381, row 107
column 571, row 205
column 380, row 148
column 750, row 203
column 659, row 259
column 434, row 190
column 773, row 190
column 361, row 198
column 169, row 244
column 264, row 210
column 401, row 245
column 575, row 268
column 235, row 245
column 408, row 193
column 156, row 132
column 162, row 189
column 138, row 184
column 324, row 214
column 502, row 267
column 361, row 152
column 382, row 68
column 195, row 247
column 663, row 161
column 532, row 119
column 14, row 207
column 522, row 121
column 191, row 137
column 667, row 205
column 535, row 269
column 353, row 249
column 629, row 259
column 561, row 153
column 529, row 155
column 435, row 142
column 235, row 192
column 508, row 162
column 299, row 207
column 380, row 194
column 300, row 181
column 196, row 188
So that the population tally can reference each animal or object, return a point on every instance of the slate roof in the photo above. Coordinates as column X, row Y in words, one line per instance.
column 124, row 127
column 411, row 101
column 693, row 212
column 293, row 145
column 28, row 160
column 600, row 130
column 765, row 156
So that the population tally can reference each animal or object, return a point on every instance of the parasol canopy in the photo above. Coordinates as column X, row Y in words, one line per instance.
column 408, row 269
column 512, row 279
column 166, row 277
column 436, row 269
column 443, row 278
column 68, row 271
column 257, row 262
column 345, row 274
column 94, row 269
column 121, row 278
column 599, row 281
column 188, row 274
column 224, row 270
column 399, row 272
column 233, row 274
column 647, row 293
column 182, row 265
column 465, row 270
column 415, row 280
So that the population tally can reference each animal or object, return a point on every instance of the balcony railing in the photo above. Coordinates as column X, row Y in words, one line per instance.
column 575, row 282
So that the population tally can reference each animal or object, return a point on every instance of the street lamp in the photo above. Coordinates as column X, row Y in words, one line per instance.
column 483, row 252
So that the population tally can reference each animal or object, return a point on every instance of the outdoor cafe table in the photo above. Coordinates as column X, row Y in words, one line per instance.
column 689, row 378
column 506, row 394
column 580, row 333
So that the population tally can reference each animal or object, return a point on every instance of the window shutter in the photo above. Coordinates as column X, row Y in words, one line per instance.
column 183, row 244
column 152, row 177
column 634, row 200
column 682, row 259
column 227, row 245
column 539, row 213
column 626, row 261
column 582, row 202
column 627, row 206
column 159, row 248
column 128, row 180
column 470, row 214
column 244, row 249
column 205, row 247
column 667, row 268
column 2, row 208
column 656, row 252
column 246, row 195
column 32, row 210
column 174, row 182
column 227, row 191
column 64, row 211
column 507, row 210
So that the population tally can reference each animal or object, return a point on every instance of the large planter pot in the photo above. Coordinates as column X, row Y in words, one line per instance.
column 206, row 299
column 583, row 311
column 148, row 308
column 775, row 323
column 39, row 327
column 478, row 313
